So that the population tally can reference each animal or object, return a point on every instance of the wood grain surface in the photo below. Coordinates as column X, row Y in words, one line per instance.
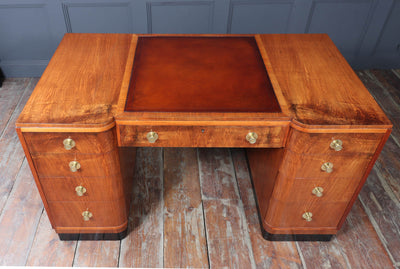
column 19, row 219
column 47, row 249
column 184, row 235
column 87, row 99
column 143, row 247
column 202, row 136
column 319, row 86
column 226, row 228
column 267, row 254
column 12, row 154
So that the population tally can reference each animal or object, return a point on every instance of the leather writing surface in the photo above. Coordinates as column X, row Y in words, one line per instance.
column 199, row 74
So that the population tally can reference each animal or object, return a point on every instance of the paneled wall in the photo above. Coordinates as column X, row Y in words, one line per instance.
column 367, row 32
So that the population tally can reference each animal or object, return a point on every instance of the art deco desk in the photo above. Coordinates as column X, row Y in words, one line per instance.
column 311, row 129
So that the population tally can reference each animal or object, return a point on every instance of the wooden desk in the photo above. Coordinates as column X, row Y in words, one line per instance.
column 311, row 129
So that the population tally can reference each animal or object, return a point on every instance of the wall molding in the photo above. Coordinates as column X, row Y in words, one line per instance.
column 378, row 40
column 151, row 4
column 39, row 5
column 26, row 68
column 372, row 5
column 235, row 3
column 66, row 5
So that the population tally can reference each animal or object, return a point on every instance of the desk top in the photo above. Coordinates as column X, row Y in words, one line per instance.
column 314, row 85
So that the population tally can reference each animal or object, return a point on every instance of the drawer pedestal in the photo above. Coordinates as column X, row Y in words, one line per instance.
column 89, row 201
column 297, row 197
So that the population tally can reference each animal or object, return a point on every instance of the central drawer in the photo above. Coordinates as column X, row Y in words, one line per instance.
column 202, row 136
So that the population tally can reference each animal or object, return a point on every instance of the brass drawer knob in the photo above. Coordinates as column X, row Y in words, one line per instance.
column 327, row 167
column 252, row 137
column 337, row 145
column 87, row 215
column 68, row 143
column 80, row 190
column 307, row 216
column 152, row 136
column 74, row 166
column 318, row 191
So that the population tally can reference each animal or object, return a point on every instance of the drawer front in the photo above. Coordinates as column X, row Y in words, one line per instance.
column 311, row 166
column 91, row 165
column 290, row 215
column 307, row 143
column 207, row 136
column 103, row 214
column 82, row 142
column 315, row 190
column 82, row 189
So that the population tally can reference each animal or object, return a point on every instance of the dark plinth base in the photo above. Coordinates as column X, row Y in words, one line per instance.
column 296, row 237
column 100, row 236
column 2, row 77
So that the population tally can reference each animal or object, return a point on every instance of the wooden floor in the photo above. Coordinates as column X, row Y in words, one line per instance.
column 196, row 207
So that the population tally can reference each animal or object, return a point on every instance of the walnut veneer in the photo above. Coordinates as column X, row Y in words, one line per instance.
column 311, row 129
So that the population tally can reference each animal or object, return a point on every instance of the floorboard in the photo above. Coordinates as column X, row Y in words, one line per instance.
column 356, row 245
column 196, row 207
column 10, row 94
column 97, row 254
column 226, row 227
column 267, row 254
column 48, row 250
column 184, row 234
column 143, row 247
column 19, row 219
column 11, row 152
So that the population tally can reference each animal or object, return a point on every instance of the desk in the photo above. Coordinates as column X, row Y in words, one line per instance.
column 311, row 130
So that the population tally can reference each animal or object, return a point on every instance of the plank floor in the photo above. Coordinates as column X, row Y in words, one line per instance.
column 196, row 207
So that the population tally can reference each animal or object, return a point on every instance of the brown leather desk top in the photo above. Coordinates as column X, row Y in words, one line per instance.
column 200, row 74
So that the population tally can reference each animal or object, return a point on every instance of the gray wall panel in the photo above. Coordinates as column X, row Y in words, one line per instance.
column 25, row 44
column 97, row 17
column 260, row 16
column 346, row 22
column 389, row 41
column 180, row 17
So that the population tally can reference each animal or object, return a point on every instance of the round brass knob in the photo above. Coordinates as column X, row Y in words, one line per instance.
column 318, row 191
column 327, row 167
column 80, row 190
column 152, row 136
column 68, row 143
column 337, row 145
column 252, row 137
column 87, row 215
column 307, row 216
column 74, row 166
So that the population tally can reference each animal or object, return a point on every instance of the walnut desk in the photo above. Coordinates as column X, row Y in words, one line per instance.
column 311, row 129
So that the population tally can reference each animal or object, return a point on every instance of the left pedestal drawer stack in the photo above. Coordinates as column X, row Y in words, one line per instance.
column 85, row 181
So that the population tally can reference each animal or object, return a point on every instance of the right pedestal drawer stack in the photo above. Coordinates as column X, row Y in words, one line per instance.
column 310, row 185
